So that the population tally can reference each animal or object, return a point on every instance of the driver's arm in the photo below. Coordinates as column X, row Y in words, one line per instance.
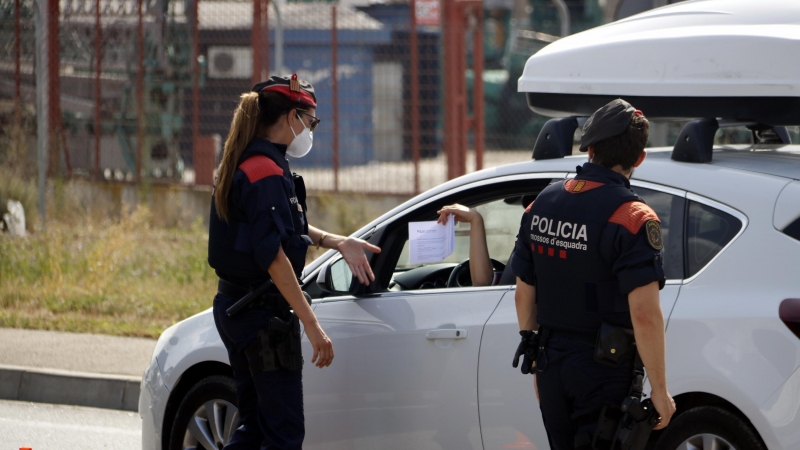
column 480, row 267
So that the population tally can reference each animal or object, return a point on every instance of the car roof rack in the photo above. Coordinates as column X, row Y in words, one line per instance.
column 555, row 139
column 696, row 140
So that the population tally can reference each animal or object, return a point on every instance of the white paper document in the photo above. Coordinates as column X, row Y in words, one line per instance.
column 431, row 241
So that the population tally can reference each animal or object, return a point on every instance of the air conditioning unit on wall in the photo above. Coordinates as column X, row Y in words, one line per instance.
column 230, row 62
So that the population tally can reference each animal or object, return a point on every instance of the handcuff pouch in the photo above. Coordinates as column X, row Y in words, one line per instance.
column 614, row 346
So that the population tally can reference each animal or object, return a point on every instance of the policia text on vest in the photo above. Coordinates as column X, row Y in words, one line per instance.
column 567, row 230
column 588, row 261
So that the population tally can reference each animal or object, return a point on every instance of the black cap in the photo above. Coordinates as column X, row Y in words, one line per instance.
column 609, row 121
column 297, row 90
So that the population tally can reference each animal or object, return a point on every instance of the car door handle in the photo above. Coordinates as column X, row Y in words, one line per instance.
column 446, row 333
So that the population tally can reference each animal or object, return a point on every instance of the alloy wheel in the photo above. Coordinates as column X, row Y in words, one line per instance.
column 211, row 426
column 706, row 441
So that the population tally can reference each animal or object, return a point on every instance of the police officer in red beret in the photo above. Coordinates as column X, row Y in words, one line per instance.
column 588, row 261
column 259, row 231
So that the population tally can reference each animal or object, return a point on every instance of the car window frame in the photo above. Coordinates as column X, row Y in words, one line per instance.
column 690, row 196
column 460, row 189
column 380, row 228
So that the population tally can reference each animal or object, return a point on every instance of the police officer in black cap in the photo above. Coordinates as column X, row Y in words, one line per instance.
column 588, row 261
column 259, row 231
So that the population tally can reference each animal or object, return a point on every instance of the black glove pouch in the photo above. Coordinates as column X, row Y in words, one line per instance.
column 614, row 346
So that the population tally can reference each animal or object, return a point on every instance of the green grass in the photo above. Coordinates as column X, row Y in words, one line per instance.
column 96, row 269
column 122, row 277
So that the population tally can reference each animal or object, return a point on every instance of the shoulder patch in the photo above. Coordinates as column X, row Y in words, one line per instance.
column 633, row 215
column 653, row 230
column 528, row 209
column 577, row 186
column 259, row 167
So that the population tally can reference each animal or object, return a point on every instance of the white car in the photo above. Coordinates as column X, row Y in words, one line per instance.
column 425, row 362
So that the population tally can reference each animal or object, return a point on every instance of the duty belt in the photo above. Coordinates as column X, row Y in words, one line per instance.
column 231, row 290
column 587, row 338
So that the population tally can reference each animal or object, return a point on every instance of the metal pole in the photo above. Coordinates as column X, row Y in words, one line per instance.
column 139, row 92
column 477, row 95
column 41, row 111
column 255, row 42
column 98, row 55
column 414, row 56
column 460, row 70
column 265, row 39
column 54, row 126
column 335, row 87
column 195, row 79
column 278, row 38
column 450, row 30
column 17, row 71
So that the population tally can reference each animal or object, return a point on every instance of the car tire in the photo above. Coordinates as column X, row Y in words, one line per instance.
column 207, row 416
column 709, row 427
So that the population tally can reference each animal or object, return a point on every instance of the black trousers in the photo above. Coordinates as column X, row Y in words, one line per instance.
column 573, row 388
column 270, row 403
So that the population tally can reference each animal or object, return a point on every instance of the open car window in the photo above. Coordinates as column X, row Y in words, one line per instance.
column 501, row 206
column 501, row 222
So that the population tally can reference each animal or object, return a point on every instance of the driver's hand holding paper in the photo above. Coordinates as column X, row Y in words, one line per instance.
column 431, row 241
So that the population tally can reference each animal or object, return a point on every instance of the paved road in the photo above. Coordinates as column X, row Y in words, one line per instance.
column 58, row 427
column 75, row 352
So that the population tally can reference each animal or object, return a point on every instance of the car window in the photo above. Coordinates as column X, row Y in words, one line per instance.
column 501, row 204
column 670, row 210
column 501, row 220
column 708, row 230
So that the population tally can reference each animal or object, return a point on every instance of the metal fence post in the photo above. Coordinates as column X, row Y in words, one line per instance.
column 195, row 27
column 139, row 92
column 41, row 111
column 477, row 91
column 265, row 39
column 98, row 55
column 414, row 55
column 335, row 106
column 255, row 43
column 54, row 88
column 17, row 71
column 278, row 38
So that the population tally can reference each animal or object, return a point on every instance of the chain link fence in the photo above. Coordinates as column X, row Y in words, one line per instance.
column 145, row 89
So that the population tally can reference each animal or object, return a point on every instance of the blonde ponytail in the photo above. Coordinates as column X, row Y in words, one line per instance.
column 244, row 127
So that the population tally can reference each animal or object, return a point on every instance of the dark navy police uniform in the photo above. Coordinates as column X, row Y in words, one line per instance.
column 266, row 212
column 584, row 245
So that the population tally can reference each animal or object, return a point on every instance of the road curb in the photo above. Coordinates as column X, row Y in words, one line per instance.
column 69, row 388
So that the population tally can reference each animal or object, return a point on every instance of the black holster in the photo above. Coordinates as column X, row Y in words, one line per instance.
column 277, row 346
column 626, row 426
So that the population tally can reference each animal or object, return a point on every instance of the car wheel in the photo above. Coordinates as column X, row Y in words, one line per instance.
column 207, row 416
column 709, row 428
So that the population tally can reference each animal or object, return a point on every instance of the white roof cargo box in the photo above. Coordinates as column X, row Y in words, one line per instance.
column 730, row 59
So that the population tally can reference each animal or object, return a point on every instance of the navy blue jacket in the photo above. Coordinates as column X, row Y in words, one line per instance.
column 265, row 212
column 585, row 244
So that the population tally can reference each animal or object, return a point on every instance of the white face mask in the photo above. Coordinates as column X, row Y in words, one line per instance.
column 301, row 144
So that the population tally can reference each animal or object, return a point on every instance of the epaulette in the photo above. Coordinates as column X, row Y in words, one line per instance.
column 258, row 167
column 633, row 215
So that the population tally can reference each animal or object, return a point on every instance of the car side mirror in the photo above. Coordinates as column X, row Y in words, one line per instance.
column 335, row 277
